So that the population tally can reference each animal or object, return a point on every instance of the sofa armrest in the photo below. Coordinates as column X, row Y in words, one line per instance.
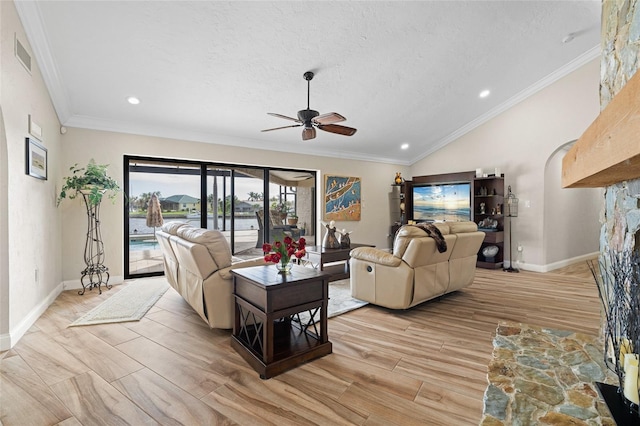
column 226, row 272
column 375, row 255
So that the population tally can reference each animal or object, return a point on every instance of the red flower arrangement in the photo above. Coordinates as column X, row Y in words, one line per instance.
column 281, row 252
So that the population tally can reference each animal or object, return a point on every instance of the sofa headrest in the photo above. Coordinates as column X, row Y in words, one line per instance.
column 460, row 227
column 172, row 227
column 415, row 231
column 407, row 232
column 213, row 240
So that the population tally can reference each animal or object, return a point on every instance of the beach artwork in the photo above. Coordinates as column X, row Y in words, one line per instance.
column 341, row 198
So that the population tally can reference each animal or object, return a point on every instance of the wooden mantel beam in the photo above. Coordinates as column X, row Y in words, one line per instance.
column 609, row 150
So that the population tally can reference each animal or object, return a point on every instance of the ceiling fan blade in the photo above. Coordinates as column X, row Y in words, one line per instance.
column 283, row 127
column 329, row 118
column 284, row 116
column 335, row 128
column 308, row 133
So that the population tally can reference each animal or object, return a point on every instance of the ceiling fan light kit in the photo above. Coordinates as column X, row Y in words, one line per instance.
column 309, row 119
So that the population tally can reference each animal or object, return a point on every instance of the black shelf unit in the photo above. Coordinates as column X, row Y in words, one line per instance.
column 488, row 203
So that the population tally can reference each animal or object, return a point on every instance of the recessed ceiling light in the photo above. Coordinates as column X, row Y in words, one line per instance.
column 133, row 100
column 484, row 93
column 404, row 146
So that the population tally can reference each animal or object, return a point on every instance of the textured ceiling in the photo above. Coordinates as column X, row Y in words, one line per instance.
column 400, row 72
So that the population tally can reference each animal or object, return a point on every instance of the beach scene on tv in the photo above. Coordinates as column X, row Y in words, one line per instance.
column 450, row 202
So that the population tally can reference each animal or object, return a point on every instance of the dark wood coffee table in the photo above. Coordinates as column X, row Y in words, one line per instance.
column 268, row 332
column 319, row 257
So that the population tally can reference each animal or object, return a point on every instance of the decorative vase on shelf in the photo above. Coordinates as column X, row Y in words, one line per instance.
column 284, row 267
column 344, row 239
column 330, row 240
column 489, row 253
column 398, row 178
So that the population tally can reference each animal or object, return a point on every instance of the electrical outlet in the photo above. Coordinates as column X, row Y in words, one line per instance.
column 36, row 275
column 520, row 248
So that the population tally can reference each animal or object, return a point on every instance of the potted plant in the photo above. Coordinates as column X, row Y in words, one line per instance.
column 91, row 180
column 279, row 209
column 292, row 219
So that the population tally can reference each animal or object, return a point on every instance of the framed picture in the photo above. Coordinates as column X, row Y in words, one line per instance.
column 342, row 199
column 34, row 128
column 36, row 159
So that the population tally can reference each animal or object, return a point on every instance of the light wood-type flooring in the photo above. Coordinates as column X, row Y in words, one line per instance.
column 424, row 366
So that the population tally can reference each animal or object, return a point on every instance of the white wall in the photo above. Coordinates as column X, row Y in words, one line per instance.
column 80, row 145
column 29, row 221
column 571, row 216
column 4, row 221
column 520, row 141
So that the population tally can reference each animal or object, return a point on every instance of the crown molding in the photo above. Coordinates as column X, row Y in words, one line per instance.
column 33, row 24
column 545, row 82
column 94, row 123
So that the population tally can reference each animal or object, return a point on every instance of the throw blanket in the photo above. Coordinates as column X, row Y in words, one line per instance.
column 434, row 233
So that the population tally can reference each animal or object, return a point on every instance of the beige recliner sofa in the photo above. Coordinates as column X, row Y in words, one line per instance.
column 416, row 271
column 197, row 264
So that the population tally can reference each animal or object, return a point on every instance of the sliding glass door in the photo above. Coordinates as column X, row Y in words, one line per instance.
column 176, row 185
column 238, row 201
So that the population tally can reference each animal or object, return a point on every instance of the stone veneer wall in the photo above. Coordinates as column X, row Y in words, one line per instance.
column 304, row 209
column 620, row 49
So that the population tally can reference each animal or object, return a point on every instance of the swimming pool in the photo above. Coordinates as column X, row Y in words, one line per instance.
column 135, row 245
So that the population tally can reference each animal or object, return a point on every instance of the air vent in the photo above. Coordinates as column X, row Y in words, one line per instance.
column 22, row 55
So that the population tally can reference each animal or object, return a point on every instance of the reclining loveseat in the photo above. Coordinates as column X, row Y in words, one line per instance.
column 416, row 271
column 198, row 264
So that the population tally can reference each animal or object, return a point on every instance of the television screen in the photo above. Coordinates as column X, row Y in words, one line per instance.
column 442, row 202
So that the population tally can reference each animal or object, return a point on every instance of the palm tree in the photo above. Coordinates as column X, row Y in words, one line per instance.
column 256, row 196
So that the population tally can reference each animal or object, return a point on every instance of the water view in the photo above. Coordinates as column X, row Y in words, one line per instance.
column 138, row 225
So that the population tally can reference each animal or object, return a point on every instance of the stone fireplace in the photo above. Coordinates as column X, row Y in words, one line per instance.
column 608, row 155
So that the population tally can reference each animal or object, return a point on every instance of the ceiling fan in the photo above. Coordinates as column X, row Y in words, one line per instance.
column 311, row 119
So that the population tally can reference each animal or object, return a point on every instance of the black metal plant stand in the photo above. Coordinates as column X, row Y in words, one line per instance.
column 512, row 211
column 95, row 271
column 510, row 268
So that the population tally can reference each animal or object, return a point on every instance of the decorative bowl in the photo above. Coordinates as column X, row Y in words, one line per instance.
column 490, row 251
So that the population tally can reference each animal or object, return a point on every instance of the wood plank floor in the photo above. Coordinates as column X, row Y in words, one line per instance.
column 423, row 366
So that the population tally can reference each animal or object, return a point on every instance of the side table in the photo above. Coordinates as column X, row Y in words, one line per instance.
column 268, row 332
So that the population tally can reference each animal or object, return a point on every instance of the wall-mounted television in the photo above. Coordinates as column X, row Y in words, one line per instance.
column 442, row 202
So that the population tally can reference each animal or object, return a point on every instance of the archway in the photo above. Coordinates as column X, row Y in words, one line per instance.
column 571, row 216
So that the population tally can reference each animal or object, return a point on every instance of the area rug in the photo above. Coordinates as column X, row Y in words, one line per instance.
column 340, row 300
column 540, row 376
column 129, row 304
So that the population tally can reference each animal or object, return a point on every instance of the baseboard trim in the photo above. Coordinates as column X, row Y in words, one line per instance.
column 7, row 341
column 555, row 265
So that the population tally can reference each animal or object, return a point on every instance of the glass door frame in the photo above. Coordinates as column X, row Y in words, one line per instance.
column 204, row 167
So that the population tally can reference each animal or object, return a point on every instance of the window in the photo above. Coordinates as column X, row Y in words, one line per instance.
column 234, row 203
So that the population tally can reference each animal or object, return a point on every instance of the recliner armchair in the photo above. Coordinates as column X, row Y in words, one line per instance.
column 416, row 271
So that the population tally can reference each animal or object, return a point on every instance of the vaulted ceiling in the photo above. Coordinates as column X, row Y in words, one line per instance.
column 400, row 72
